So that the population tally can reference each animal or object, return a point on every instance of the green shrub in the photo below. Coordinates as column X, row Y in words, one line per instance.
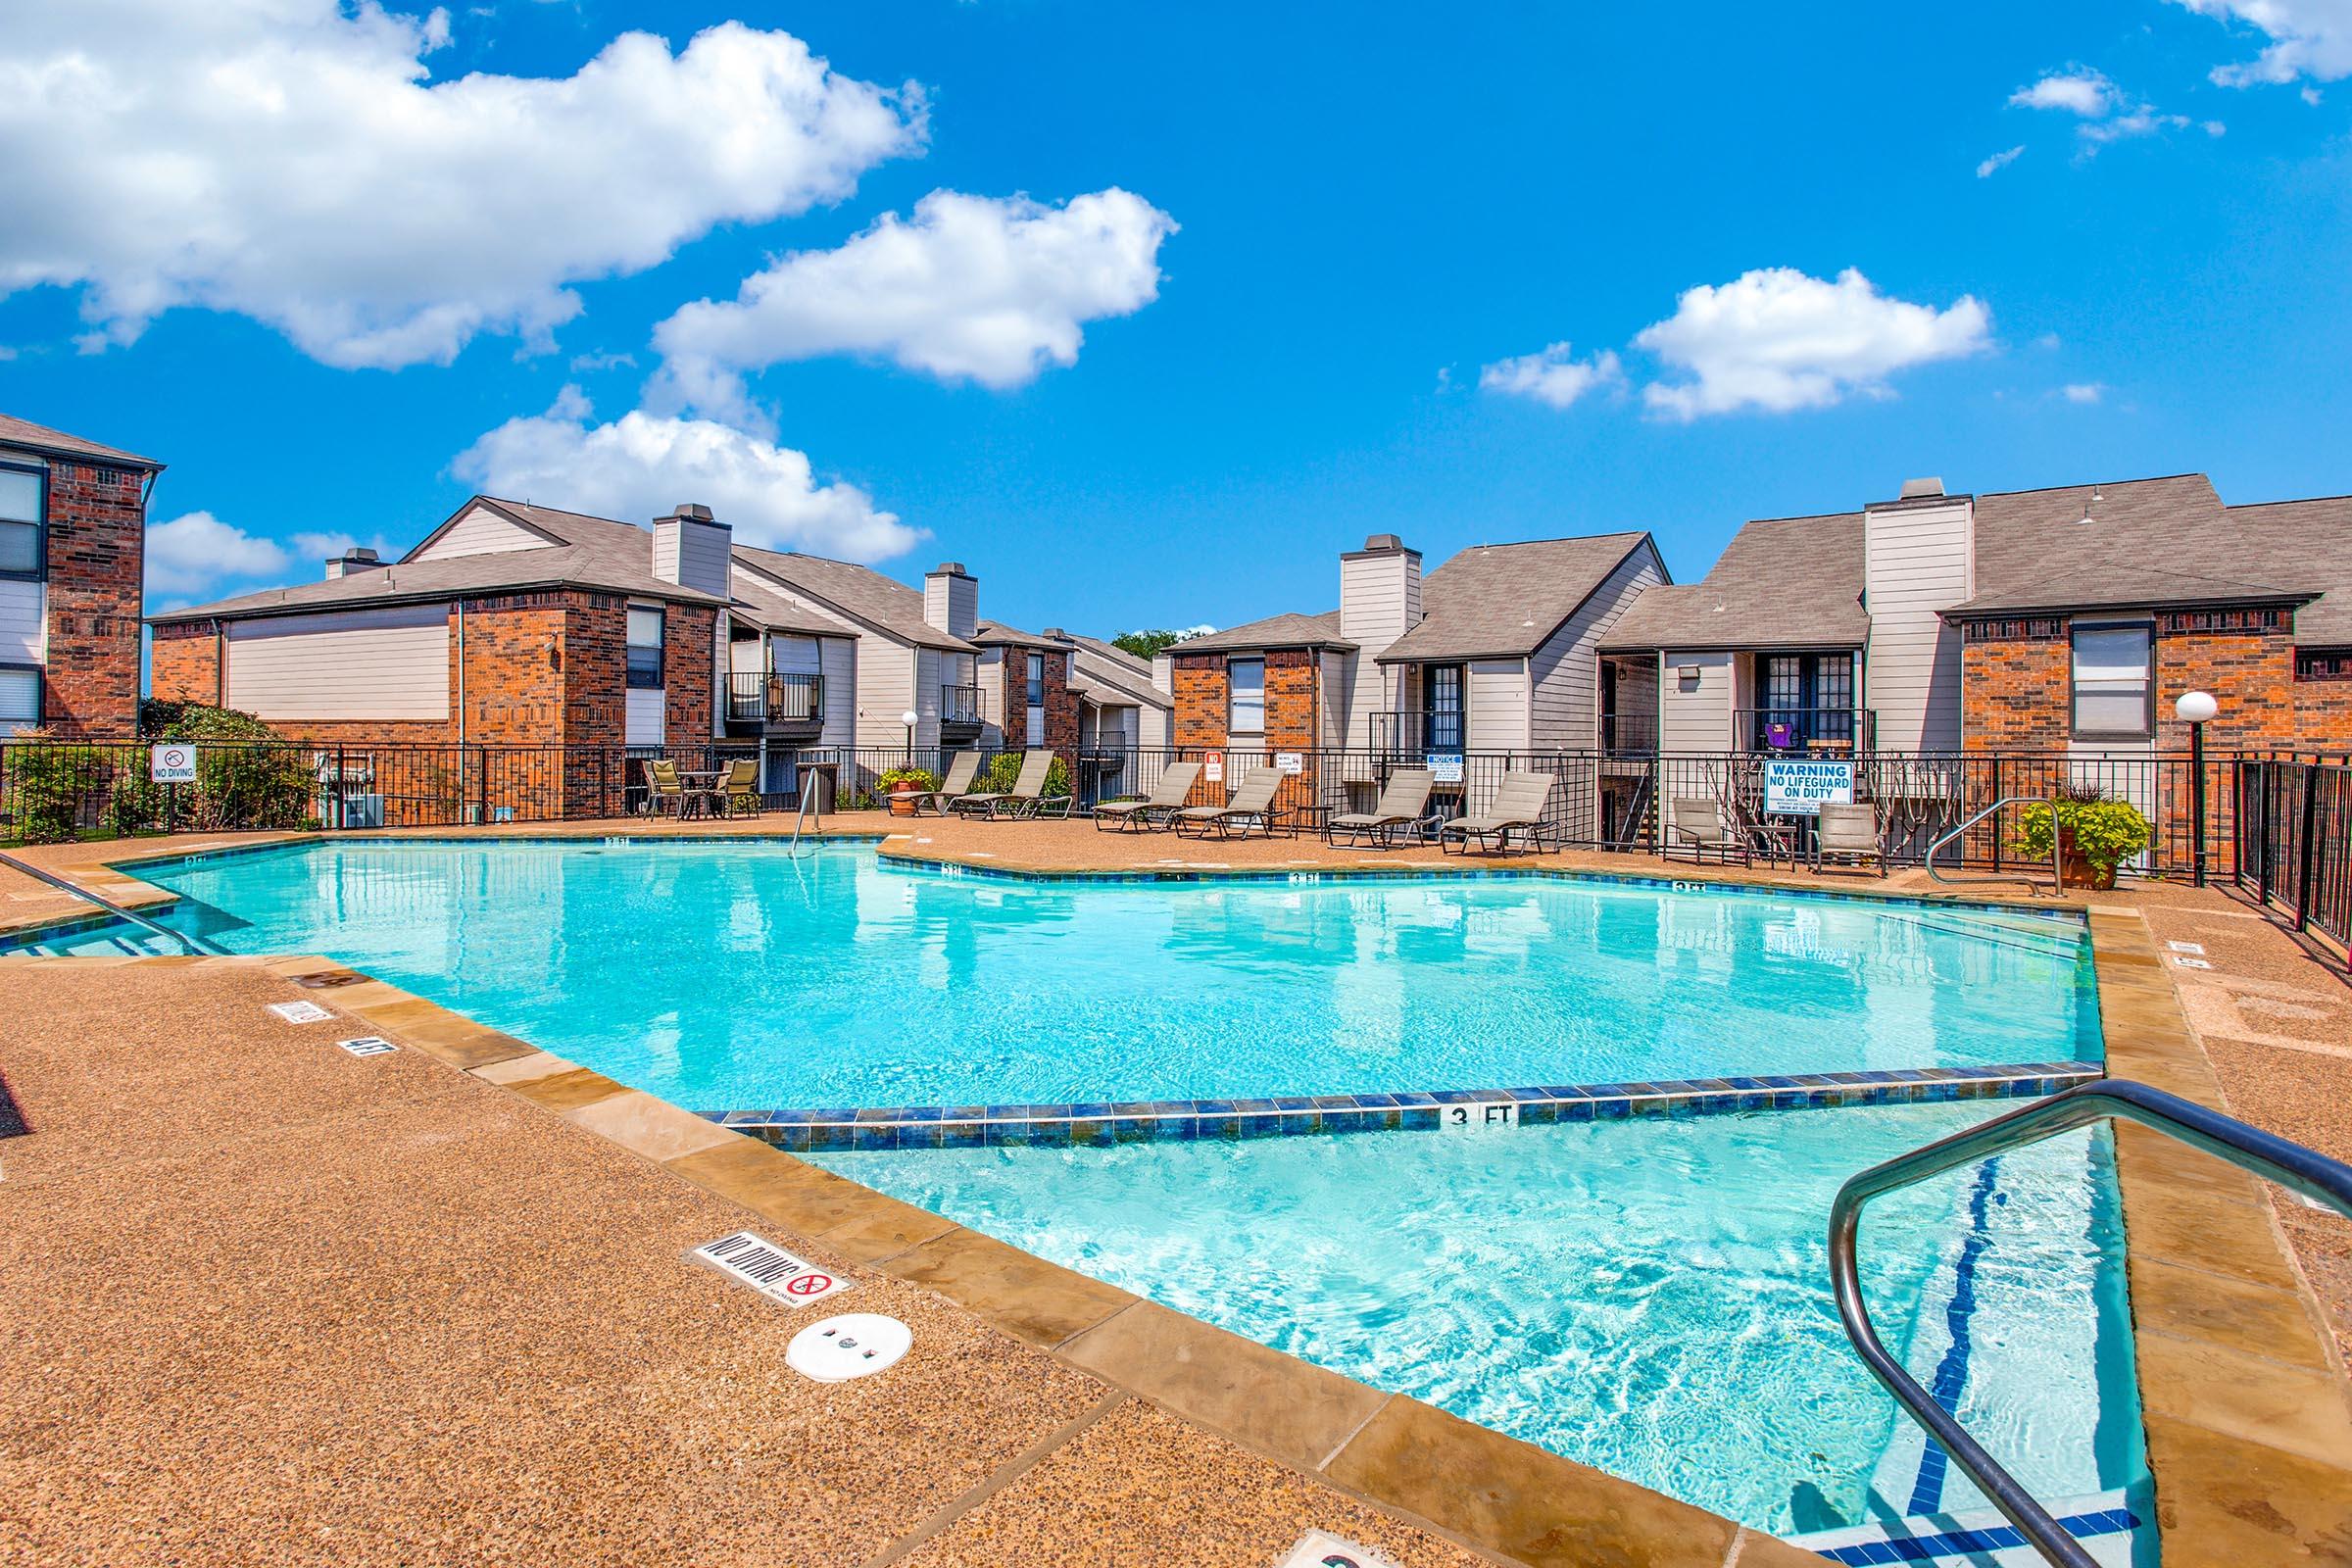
column 922, row 778
column 2106, row 832
column 52, row 787
column 1004, row 771
column 247, row 775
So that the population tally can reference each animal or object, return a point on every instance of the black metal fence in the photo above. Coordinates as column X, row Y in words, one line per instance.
column 2293, row 849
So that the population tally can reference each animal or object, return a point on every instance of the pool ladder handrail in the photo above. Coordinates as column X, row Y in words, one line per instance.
column 195, row 945
column 2034, row 884
column 2266, row 1155
column 800, row 813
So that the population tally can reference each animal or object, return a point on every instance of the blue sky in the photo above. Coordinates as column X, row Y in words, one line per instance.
column 1205, row 294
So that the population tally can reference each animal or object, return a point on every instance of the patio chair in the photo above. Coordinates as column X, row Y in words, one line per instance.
column 1849, row 833
column 1519, row 804
column 962, row 768
column 1399, row 810
column 664, row 788
column 737, row 793
column 1155, row 811
column 1026, row 798
column 1696, row 824
column 1248, row 807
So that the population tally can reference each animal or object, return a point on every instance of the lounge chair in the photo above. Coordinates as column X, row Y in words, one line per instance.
column 1155, row 810
column 663, row 787
column 1518, row 805
column 1849, row 833
column 1248, row 807
column 962, row 768
column 1399, row 810
column 1026, row 798
column 1696, row 824
column 737, row 793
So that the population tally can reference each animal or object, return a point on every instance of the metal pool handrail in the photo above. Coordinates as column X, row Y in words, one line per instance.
column 2273, row 1159
column 195, row 945
column 2057, row 871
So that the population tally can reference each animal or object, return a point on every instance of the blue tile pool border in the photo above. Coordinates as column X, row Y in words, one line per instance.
column 834, row 1129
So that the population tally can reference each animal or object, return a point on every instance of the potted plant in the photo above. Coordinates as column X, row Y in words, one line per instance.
column 2094, row 835
column 902, row 786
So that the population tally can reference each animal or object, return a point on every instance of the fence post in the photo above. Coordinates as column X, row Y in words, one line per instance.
column 2196, row 801
column 1657, row 803
column 1996, row 815
column 2305, row 844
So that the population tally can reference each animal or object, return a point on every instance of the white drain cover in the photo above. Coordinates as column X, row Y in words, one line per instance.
column 855, row 1345
column 1320, row 1548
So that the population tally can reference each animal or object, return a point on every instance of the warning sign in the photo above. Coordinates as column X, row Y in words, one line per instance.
column 1320, row 1548
column 1290, row 762
column 1213, row 766
column 1799, row 789
column 173, row 763
column 769, row 1269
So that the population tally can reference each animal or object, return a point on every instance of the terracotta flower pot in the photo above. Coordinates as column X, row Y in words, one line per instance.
column 901, row 797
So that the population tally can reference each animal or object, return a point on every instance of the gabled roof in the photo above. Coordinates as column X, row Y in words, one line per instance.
column 994, row 633
column 773, row 613
column 1113, row 654
column 28, row 436
column 858, row 592
column 1505, row 601
column 2316, row 536
column 1782, row 582
column 1275, row 631
column 593, row 553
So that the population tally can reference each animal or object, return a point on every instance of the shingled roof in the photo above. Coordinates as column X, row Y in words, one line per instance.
column 2313, row 541
column 27, row 436
column 582, row 551
column 1782, row 582
column 1505, row 601
column 1275, row 631
column 860, row 592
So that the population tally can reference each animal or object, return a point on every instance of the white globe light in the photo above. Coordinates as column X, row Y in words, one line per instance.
column 2196, row 708
column 910, row 717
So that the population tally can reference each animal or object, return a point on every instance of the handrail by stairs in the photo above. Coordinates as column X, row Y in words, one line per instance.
column 2273, row 1159
column 195, row 945
column 2032, row 884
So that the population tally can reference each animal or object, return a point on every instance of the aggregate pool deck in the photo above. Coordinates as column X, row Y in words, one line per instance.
column 2246, row 1402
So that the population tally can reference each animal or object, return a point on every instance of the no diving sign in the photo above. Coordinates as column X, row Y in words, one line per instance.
column 172, row 763
column 1320, row 1548
column 769, row 1269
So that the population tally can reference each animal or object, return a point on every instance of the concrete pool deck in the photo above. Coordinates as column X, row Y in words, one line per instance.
column 2246, row 1404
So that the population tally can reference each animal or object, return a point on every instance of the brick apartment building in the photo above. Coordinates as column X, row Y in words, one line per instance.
column 72, row 538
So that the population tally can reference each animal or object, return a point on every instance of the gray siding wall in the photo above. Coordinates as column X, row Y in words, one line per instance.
column 1565, row 708
column 951, row 603
column 391, row 663
column 1695, row 715
column 481, row 532
column 1495, row 695
column 1379, row 599
column 693, row 555
column 23, row 637
column 1916, row 563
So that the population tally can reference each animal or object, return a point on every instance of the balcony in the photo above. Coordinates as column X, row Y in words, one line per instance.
column 1628, row 734
column 1810, row 731
column 1416, row 732
column 792, row 705
column 959, row 713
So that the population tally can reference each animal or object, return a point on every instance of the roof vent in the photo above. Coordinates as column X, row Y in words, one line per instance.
column 1056, row 634
column 693, row 512
column 1920, row 489
column 1383, row 541
column 949, row 569
column 359, row 558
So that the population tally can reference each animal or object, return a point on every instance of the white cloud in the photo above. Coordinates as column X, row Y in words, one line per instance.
column 2308, row 39
column 972, row 288
column 196, row 550
column 291, row 161
column 1777, row 339
column 1999, row 161
column 641, row 465
column 2078, row 89
column 602, row 362
column 2082, row 391
column 1553, row 377
column 2140, row 122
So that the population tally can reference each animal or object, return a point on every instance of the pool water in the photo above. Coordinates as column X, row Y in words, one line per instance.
column 740, row 976
column 1647, row 1296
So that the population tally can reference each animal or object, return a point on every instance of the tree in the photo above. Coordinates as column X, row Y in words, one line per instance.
column 1148, row 644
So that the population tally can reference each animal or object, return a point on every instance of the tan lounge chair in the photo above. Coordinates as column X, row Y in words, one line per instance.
column 1155, row 810
column 1518, row 805
column 1399, row 810
column 737, row 794
column 962, row 768
column 1695, row 824
column 1848, row 833
column 1246, row 807
column 1026, row 798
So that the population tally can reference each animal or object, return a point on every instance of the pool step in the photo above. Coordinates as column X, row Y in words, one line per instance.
column 2117, row 1527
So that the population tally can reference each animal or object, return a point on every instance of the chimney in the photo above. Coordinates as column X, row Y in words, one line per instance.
column 1055, row 634
column 1380, row 593
column 1918, row 561
column 693, row 550
column 952, row 599
column 1164, row 671
column 1927, row 489
column 359, row 558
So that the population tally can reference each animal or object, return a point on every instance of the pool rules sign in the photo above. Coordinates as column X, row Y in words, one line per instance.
column 1800, row 789
column 174, row 762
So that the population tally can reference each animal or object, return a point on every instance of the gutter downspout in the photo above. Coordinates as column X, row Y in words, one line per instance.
column 460, row 671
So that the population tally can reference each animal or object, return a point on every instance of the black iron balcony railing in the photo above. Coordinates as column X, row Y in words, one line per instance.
column 1628, row 734
column 1410, row 731
column 959, row 704
column 776, row 699
column 1832, row 730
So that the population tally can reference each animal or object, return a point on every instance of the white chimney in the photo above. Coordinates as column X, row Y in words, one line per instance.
column 1918, row 561
column 693, row 550
column 952, row 599
column 1164, row 671
column 1380, row 593
column 359, row 558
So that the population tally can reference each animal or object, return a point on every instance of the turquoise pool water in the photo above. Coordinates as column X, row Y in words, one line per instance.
column 1646, row 1297
column 736, row 976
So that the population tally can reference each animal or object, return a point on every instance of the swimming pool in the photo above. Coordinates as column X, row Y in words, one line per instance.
column 1650, row 1298
column 735, row 976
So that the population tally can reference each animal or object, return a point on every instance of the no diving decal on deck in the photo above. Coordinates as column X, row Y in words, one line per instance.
column 769, row 1269
column 300, row 1011
column 1478, row 1116
column 1320, row 1548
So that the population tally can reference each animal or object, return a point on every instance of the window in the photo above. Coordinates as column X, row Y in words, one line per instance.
column 644, row 649
column 2112, row 692
column 1037, row 680
column 23, row 509
column 1246, row 713
column 20, row 698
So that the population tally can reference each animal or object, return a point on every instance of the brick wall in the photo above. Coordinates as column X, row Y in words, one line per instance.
column 1200, row 695
column 2016, row 685
column 689, row 654
column 184, row 663
column 1290, row 699
column 2248, row 660
column 1061, row 709
column 97, row 538
column 513, row 691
